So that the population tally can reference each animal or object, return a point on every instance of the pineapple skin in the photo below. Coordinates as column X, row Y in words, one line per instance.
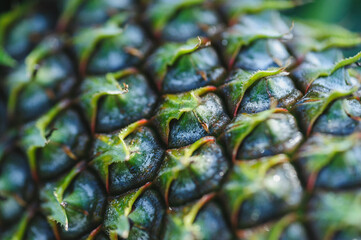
column 184, row 119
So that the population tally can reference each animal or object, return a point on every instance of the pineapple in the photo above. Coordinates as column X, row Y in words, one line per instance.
column 184, row 119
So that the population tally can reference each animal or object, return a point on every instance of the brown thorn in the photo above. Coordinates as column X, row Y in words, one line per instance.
column 50, row 93
column 54, row 226
column 68, row 152
column 19, row 200
column 311, row 182
column 204, row 125
column 95, row 232
column 203, row 75
column 133, row 51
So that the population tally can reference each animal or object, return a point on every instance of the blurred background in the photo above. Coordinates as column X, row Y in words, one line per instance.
column 344, row 12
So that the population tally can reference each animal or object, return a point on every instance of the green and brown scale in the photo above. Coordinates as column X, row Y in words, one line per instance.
column 182, row 119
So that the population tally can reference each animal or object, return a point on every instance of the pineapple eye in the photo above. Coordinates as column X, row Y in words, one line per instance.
column 179, row 119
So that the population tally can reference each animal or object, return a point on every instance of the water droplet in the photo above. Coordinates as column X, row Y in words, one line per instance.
column 276, row 178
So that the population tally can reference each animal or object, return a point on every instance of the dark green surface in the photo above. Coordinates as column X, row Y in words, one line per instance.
column 182, row 119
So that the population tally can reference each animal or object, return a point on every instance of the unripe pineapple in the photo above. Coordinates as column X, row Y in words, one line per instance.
column 177, row 119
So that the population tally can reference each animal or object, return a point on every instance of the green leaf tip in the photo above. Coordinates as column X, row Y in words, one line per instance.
column 175, row 105
column 334, row 212
column 87, row 40
column 169, row 53
column 310, row 109
column 53, row 193
column 267, row 25
column 237, row 8
column 70, row 10
column 241, row 183
column 34, row 135
column 327, row 72
column 116, row 219
column 243, row 80
column 177, row 160
column 321, row 150
column 242, row 126
column 93, row 88
column 161, row 12
column 181, row 222
column 111, row 149
column 6, row 59
column 6, row 20
column 311, row 35
column 47, row 47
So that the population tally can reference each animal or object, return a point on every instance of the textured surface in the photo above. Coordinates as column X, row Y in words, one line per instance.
column 182, row 119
